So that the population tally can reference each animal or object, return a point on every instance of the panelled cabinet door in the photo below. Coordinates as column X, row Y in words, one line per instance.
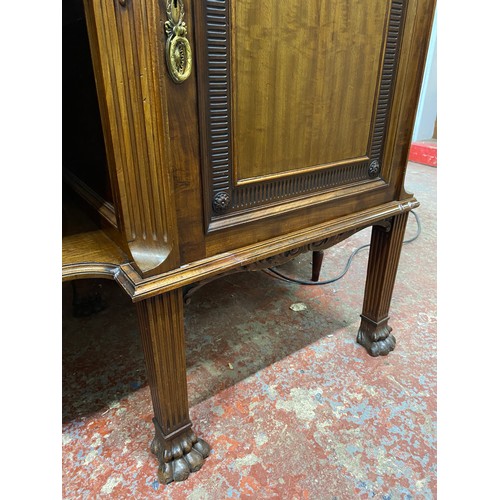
column 294, row 100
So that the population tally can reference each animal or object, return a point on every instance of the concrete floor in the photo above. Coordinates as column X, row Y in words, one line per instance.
column 292, row 407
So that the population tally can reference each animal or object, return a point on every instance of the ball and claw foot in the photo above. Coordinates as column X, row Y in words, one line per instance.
column 377, row 339
column 180, row 456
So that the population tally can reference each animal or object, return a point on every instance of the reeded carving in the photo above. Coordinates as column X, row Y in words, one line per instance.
column 178, row 50
column 178, row 456
column 394, row 35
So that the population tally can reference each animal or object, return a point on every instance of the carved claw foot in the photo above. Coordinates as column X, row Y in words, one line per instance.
column 178, row 456
column 375, row 337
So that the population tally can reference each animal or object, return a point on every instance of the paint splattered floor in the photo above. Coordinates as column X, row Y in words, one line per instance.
column 292, row 407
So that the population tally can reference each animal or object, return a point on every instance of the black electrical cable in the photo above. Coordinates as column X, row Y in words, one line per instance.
column 347, row 266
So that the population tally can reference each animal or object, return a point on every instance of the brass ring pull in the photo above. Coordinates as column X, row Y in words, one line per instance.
column 178, row 51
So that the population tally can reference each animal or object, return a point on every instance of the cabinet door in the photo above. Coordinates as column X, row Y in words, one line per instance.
column 294, row 100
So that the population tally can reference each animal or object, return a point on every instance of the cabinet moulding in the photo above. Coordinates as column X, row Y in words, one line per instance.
column 139, row 288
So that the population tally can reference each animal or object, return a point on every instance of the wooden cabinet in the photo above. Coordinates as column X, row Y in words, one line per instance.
column 214, row 135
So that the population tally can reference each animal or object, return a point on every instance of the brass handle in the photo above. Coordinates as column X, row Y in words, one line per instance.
column 178, row 51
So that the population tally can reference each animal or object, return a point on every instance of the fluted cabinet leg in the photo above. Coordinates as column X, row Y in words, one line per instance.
column 178, row 449
column 385, row 249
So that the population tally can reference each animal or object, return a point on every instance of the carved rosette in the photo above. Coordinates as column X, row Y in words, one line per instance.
column 374, row 169
column 221, row 202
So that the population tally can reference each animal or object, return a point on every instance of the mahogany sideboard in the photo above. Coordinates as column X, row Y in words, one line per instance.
column 210, row 136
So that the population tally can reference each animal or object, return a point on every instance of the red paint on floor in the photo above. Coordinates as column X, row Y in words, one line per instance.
column 424, row 152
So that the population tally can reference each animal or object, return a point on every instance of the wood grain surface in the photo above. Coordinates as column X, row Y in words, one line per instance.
column 127, row 50
column 289, row 106
column 305, row 78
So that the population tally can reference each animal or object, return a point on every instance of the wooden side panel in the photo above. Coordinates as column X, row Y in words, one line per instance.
column 305, row 80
